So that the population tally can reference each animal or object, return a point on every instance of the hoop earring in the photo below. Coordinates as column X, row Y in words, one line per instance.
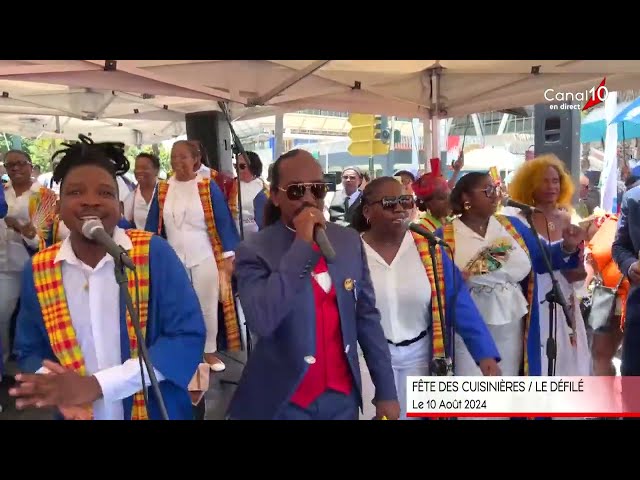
column 467, row 205
column 368, row 221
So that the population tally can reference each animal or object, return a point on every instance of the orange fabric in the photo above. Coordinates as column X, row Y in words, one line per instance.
column 600, row 247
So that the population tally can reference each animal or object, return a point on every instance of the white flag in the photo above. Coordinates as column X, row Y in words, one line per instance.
column 609, row 175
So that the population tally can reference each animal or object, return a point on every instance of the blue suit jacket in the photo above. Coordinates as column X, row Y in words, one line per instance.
column 175, row 331
column 273, row 270
column 627, row 243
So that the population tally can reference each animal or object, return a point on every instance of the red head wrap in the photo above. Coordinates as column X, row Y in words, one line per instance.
column 427, row 184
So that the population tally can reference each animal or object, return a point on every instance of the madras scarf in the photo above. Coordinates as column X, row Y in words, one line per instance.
column 429, row 222
column 437, row 335
column 449, row 237
column 228, row 303
column 47, row 276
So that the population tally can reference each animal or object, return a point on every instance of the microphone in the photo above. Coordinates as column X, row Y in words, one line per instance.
column 420, row 230
column 508, row 202
column 94, row 230
column 320, row 237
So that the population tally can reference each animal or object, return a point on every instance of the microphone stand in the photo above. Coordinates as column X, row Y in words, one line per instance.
column 143, row 353
column 554, row 297
column 440, row 369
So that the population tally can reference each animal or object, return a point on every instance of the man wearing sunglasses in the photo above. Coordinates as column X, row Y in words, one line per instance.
column 309, row 314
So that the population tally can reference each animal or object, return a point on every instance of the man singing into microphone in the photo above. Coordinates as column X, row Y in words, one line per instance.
column 308, row 313
column 73, row 330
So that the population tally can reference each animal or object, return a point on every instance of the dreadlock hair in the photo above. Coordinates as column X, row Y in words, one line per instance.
column 359, row 222
column 465, row 185
column 109, row 156
column 271, row 212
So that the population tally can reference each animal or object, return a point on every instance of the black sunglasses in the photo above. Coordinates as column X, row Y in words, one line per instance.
column 241, row 166
column 389, row 203
column 296, row 191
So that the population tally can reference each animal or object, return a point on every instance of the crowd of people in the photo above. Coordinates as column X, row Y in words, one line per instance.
column 199, row 282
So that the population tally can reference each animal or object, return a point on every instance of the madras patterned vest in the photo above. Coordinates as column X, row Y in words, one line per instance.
column 47, row 276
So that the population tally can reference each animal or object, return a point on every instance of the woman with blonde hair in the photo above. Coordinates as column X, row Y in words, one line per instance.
column 544, row 183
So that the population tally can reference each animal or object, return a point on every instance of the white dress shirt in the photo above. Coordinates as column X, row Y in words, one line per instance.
column 185, row 224
column 93, row 298
column 402, row 290
column 13, row 253
column 497, row 294
column 136, row 209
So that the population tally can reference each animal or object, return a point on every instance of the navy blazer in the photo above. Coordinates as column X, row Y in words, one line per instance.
column 626, row 246
column 273, row 269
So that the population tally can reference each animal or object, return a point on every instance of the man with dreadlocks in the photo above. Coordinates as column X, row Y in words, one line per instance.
column 73, row 330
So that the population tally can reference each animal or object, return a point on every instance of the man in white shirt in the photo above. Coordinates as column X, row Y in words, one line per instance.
column 72, row 329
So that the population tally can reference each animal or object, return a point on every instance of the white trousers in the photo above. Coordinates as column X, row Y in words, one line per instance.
column 9, row 295
column 412, row 360
column 205, row 281
column 508, row 339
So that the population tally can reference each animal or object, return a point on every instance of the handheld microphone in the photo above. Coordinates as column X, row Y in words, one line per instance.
column 320, row 237
column 94, row 230
column 508, row 202
column 420, row 230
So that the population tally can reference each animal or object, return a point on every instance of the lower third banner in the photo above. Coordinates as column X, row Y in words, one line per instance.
column 523, row 397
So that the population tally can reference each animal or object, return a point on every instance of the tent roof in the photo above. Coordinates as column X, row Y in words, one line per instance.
column 144, row 101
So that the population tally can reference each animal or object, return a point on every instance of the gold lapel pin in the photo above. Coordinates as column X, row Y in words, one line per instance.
column 348, row 284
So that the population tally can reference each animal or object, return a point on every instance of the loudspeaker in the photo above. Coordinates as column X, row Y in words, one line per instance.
column 557, row 131
column 212, row 130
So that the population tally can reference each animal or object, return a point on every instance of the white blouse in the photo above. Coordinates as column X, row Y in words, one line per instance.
column 497, row 293
column 185, row 224
column 402, row 290
column 136, row 209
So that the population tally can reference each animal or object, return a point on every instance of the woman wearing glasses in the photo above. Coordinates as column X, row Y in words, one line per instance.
column 495, row 254
column 254, row 194
column 406, row 291
column 192, row 214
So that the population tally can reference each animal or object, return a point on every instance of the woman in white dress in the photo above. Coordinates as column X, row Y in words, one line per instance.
column 192, row 214
column 136, row 204
column 545, row 183
column 406, row 292
column 496, row 254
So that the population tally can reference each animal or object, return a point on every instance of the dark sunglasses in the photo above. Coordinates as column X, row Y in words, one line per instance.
column 492, row 190
column 296, row 191
column 389, row 203
column 241, row 166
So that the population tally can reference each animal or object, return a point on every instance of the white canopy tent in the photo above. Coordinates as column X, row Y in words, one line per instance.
column 144, row 101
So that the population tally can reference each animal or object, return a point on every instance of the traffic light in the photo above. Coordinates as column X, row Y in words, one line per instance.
column 381, row 129
column 367, row 137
